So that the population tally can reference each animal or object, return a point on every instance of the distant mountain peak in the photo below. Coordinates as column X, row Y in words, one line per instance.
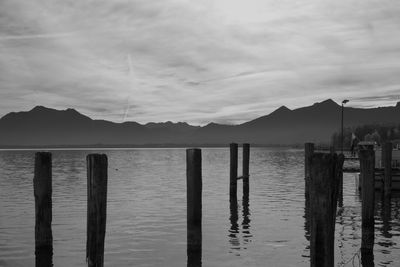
column 281, row 110
column 40, row 109
column 328, row 102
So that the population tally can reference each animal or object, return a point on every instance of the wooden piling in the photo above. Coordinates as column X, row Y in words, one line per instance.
column 194, row 206
column 367, row 165
column 97, row 176
column 308, row 152
column 323, row 200
column 246, row 162
column 340, row 176
column 387, row 165
column 42, row 188
column 233, row 170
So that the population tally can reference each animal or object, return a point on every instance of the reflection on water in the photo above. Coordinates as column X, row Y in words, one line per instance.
column 234, row 227
column 239, row 235
column 44, row 256
column 194, row 258
column 246, row 219
column 146, row 209
column 348, row 227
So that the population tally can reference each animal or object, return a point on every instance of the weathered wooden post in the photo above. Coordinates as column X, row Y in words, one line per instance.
column 233, row 170
column 324, row 183
column 246, row 174
column 367, row 172
column 194, row 206
column 42, row 188
column 340, row 175
column 387, row 165
column 97, row 176
column 308, row 152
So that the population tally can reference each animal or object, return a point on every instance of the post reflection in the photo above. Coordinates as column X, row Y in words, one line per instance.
column 386, row 214
column 193, row 258
column 246, row 219
column 234, row 228
column 367, row 259
column 44, row 256
column 239, row 235
column 307, row 218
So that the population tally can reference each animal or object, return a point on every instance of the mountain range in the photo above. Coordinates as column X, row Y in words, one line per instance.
column 43, row 126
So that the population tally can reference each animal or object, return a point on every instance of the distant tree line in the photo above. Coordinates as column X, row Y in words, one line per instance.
column 372, row 132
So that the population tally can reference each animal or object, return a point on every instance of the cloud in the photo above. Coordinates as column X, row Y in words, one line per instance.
column 179, row 60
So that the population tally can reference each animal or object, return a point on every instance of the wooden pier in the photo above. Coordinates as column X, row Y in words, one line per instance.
column 385, row 178
column 97, row 179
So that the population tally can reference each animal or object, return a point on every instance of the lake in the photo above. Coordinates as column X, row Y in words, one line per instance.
column 146, row 211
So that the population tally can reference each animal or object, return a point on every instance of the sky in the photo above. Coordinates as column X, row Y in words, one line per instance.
column 225, row 61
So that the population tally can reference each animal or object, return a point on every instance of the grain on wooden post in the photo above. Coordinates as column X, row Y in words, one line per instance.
column 97, row 176
column 42, row 188
column 233, row 170
column 246, row 174
column 194, row 206
column 387, row 165
column 340, row 177
column 323, row 200
column 308, row 152
column 367, row 172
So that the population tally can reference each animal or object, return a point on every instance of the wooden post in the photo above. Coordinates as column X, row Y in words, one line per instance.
column 340, row 175
column 308, row 152
column 97, row 167
column 233, row 170
column 246, row 162
column 323, row 200
column 42, row 188
column 367, row 172
column 387, row 165
column 194, row 206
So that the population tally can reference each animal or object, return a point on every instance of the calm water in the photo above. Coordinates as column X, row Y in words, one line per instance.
column 146, row 223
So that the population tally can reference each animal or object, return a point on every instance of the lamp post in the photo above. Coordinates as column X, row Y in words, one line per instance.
column 343, row 102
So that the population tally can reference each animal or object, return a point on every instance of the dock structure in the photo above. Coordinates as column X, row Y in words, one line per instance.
column 323, row 191
column 386, row 170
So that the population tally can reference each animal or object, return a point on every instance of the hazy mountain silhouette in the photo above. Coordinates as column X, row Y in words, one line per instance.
column 42, row 126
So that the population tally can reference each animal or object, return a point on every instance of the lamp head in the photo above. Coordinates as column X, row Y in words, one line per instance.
column 345, row 101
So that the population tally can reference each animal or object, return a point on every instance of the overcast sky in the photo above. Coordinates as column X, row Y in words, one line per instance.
column 225, row 61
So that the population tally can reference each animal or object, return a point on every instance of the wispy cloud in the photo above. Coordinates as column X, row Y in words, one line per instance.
column 223, row 61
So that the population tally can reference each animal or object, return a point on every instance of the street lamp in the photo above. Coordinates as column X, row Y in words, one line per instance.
column 343, row 102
